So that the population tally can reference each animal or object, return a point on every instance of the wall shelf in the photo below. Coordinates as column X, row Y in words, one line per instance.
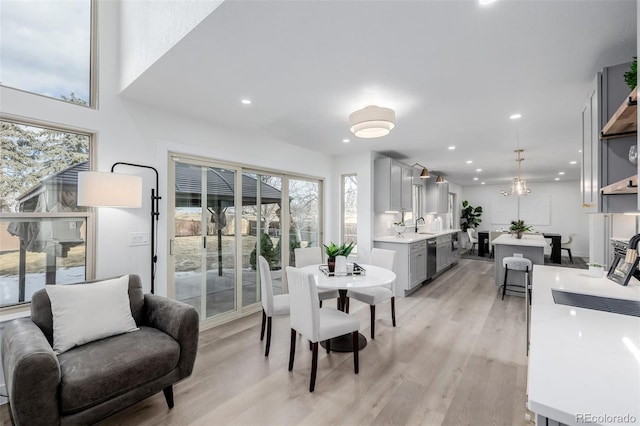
column 624, row 186
column 625, row 120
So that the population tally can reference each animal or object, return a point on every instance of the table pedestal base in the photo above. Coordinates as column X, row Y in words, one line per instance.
column 343, row 343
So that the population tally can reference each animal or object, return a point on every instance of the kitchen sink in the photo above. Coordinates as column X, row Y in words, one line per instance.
column 597, row 303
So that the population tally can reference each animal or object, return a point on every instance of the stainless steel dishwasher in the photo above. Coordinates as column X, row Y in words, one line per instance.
column 431, row 258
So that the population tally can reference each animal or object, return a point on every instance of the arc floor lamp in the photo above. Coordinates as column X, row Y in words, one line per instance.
column 103, row 189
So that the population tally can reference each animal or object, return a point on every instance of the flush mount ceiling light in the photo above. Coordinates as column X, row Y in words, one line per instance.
column 425, row 173
column 372, row 122
column 518, row 186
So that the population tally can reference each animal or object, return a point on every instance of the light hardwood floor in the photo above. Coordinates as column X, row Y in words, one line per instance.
column 456, row 357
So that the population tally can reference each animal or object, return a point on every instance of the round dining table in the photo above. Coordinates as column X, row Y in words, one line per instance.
column 373, row 276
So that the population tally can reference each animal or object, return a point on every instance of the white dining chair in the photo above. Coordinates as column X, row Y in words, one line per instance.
column 376, row 295
column 568, row 245
column 272, row 306
column 313, row 256
column 314, row 323
column 492, row 236
column 473, row 238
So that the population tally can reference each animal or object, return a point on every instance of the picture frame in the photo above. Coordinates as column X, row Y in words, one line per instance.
column 623, row 267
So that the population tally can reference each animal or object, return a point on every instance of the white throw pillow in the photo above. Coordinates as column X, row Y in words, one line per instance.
column 83, row 313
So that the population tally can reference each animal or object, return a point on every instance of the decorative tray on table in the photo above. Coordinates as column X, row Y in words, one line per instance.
column 357, row 270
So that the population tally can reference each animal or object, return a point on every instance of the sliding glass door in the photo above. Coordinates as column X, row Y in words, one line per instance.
column 204, row 243
column 224, row 218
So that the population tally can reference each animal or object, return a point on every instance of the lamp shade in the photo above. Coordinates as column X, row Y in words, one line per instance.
column 425, row 173
column 372, row 122
column 440, row 179
column 103, row 189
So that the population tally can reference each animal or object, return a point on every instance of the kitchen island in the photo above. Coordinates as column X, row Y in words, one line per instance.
column 531, row 246
column 420, row 257
column 584, row 365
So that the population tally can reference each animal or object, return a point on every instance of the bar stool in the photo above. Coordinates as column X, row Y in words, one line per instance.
column 517, row 264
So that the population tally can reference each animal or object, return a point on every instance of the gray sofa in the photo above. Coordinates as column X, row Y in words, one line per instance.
column 97, row 379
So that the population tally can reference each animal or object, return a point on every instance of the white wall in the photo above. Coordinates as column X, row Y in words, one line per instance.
column 567, row 216
column 149, row 28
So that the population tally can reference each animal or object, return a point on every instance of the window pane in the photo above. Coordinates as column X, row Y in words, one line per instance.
column 350, row 210
column 45, row 48
column 36, row 251
column 42, row 230
column 304, row 223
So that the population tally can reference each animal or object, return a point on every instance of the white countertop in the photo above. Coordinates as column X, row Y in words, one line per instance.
column 412, row 237
column 582, row 361
column 526, row 240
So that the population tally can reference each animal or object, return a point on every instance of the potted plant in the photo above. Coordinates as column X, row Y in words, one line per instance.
column 596, row 270
column 470, row 216
column 332, row 250
column 399, row 227
column 518, row 227
column 346, row 249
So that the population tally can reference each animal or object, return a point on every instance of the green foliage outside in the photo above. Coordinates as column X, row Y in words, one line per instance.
column 266, row 251
column 470, row 217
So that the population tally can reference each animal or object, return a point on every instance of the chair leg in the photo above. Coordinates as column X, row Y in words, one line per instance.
column 321, row 303
column 504, row 284
column 373, row 320
column 292, row 349
column 168, row 395
column 393, row 310
column 338, row 305
column 266, row 350
column 356, row 349
column 327, row 344
column 264, row 321
column 314, row 367
column 346, row 307
column 570, row 257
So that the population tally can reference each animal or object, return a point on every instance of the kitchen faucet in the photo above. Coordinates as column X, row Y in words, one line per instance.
column 418, row 220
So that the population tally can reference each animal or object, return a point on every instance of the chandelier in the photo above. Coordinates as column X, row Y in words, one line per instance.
column 518, row 186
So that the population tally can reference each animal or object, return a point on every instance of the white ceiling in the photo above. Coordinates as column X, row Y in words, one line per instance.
column 452, row 70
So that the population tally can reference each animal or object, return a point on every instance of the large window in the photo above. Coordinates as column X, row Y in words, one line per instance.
column 45, row 48
column 349, row 217
column 43, row 233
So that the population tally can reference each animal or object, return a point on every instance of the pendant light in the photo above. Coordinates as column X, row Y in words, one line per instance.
column 518, row 186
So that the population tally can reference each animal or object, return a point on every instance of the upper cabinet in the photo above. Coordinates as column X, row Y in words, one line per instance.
column 609, row 129
column 392, row 185
column 437, row 195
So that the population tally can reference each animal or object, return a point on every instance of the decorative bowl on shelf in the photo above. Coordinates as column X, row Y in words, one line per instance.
column 399, row 229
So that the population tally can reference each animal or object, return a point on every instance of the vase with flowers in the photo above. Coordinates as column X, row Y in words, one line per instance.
column 518, row 227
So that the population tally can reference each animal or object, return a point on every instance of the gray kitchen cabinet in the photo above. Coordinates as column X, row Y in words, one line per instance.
column 392, row 185
column 437, row 196
column 417, row 263
column 605, row 162
column 410, row 264
column 589, row 183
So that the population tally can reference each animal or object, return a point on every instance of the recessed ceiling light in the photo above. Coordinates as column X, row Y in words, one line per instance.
column 346, row 140
column 515, row 116
column 579, row 150
column 475, row 178
column 557, row 179
column 478, row 170
column 246, row 101
column 485, row 2
column 451, row 148
column 481, row 183
column 573, row 162
column 560, row 173
column 469, row 161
